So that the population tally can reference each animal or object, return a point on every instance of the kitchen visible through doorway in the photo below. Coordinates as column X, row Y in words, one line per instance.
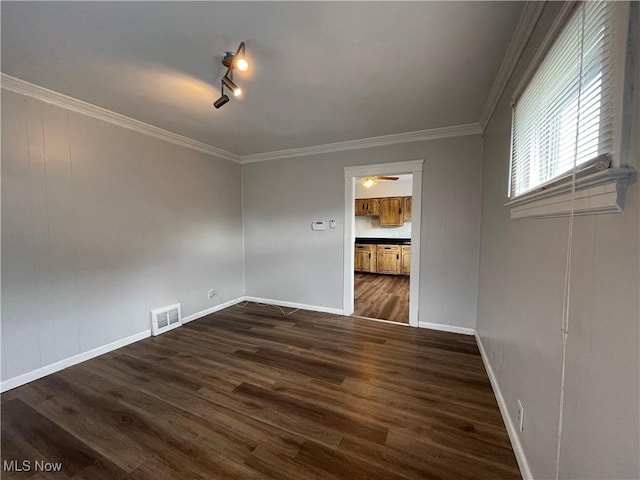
column 382, row 247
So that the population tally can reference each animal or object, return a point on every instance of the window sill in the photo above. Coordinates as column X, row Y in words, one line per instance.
column 601, row 192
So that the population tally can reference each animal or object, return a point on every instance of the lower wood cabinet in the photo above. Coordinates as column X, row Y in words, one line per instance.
column 365, row 258
column 406, row 259
column 388, row 259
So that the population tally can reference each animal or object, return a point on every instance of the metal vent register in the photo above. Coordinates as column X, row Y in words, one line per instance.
column 165, row 319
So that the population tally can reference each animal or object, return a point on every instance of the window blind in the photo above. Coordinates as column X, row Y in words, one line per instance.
column 564, row 115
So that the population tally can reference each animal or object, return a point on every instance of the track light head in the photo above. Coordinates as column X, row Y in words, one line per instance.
column 236, row 59
column 231, row 60
column 231, row 86
column 242, row 64
column 221, row 101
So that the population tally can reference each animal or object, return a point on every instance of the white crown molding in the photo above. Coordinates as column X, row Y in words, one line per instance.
column 72, row 104
column 23, row 87
column 421, row 135
column 527, row 22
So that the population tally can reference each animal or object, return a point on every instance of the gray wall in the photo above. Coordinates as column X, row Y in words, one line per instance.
column 100, row 224
column 287, row 261
column 520, row 309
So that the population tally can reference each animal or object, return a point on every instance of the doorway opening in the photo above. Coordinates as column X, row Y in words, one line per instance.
column 382, row 255
column 382, row 241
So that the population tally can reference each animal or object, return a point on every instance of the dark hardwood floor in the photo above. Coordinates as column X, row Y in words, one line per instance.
column 247, row 393
column 385, row 297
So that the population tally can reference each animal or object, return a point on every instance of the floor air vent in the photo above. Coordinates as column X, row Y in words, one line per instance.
column 165, row 319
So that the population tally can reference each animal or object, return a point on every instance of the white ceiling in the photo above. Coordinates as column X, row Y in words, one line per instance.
column 322, row 72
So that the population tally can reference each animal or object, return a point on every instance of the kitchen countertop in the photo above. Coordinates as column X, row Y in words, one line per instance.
column 383, row 241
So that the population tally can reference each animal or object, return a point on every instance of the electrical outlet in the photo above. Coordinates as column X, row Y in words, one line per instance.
column 211, row 293
column 520, row 416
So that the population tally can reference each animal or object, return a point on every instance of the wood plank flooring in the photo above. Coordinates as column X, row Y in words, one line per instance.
column 381, row 296
column 247, row 393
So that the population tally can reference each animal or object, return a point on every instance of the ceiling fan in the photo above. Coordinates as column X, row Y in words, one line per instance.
column 369, row 182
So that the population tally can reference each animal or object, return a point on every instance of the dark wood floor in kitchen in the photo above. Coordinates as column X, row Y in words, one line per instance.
column 381, row 296
column 247, row 393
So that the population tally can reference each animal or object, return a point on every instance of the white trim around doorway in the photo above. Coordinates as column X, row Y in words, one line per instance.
column 413, row 167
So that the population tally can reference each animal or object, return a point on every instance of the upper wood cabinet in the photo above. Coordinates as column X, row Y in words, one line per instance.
column 407, row 208
column 391, row 211
column 367, row 206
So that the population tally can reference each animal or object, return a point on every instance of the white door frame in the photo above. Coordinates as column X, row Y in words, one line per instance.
column 413, row 167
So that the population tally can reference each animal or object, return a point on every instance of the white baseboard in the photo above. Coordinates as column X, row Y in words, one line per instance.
column 68, row 362
column 381, row 320
column 447, row 328
column 302, row 306
column 208, row 311
column 82, row 357
column 523, row 463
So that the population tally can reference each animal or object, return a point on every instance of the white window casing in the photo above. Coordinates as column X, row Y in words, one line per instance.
column 569, row 114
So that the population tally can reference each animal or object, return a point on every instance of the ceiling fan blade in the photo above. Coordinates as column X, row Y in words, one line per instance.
column 387, row 178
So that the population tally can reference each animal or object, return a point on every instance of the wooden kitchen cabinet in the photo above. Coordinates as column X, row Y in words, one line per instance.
column 407, row 208
column 367, row 206
column 406, row 259
column 365, row 258
column 391, row 211
column 388, row 259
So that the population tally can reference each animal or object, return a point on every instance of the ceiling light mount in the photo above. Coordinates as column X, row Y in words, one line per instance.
column 369, row 182
column 227, row 60
column 232, row 61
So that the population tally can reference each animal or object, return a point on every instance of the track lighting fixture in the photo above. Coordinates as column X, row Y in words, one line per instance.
column 232, row 61
column 221, row 101
column 231, row 86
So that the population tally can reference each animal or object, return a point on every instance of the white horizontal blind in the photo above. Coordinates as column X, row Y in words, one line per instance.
column 564, row 116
